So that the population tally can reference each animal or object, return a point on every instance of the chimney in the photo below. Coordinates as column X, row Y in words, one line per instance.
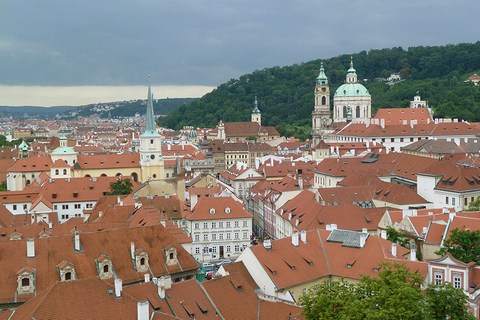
column 161, row 288
column 333, row 226
column 295, row 239
column 413, row 254
column 118, row 288
column 363, row 239
column 76, row 239
column 303, row 236
column 364, row 230
column 147, row 277
column 300, row 178
column 382, row 123
column 30, row 248
column 383, row 234
column 394, row 249
column 132, row 250
column 143, row 313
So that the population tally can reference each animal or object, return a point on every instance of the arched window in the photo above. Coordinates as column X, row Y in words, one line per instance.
column 105, row 268
column 171, row 255
column 344, row 111
column 64, row 171
column 103, row 175
column 134, row 176
column 88, row 176
column 25, row 282
column 324, row 101
column 57, row 172
column 142, row 261
column 357, row 112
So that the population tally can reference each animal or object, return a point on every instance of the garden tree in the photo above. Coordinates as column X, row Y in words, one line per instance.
column 3, row 185
column 121, row 186
column 436, row 296
column 464, row 245
column 395, row 294
column 474, row 205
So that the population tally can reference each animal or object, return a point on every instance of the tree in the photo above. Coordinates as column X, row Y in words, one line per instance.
column 3, row 185
column 464, row 245
column 474, row 205
column 436, row 296
column 395, row 294
column 121, row 186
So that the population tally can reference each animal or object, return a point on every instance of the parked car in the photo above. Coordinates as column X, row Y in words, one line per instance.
column 223, row 261
column 209, row 275
column 208, row 265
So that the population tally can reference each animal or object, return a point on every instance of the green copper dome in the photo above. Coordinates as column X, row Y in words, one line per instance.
column 352, row 90
column 322, row 77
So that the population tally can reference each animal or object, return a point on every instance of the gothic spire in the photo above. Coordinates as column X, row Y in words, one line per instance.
column 150, row 125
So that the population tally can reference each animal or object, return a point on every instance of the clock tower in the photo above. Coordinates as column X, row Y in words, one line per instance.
column 151, row 159
column 321, row 116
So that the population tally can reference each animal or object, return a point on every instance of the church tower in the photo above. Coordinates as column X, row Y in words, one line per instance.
column 256, row 115
column 151, row 159
column 321, row 116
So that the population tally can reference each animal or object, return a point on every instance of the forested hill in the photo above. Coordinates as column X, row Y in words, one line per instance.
column 285, row 94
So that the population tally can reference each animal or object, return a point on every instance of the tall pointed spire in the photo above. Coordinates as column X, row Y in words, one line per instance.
column 150, row 125
column 255, row 106
column 322, row 77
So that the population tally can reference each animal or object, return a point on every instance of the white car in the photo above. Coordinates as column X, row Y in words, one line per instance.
column 208, row 265
column 223, row 261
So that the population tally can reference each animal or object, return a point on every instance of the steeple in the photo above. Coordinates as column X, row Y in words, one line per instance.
column 351, row 73
column 322, row 77
column 256, row 114
column 150, row 125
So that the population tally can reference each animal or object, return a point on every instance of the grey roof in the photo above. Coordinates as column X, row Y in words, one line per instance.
column 346, row 237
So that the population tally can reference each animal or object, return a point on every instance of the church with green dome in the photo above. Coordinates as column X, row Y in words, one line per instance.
column 351, row 100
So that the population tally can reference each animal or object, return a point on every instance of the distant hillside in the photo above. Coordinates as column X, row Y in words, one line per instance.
column 102, row 110
column 285, row 94
column 128, row 108
column 36, row 112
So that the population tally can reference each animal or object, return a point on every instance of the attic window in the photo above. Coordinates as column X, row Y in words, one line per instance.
column 75, row 194
column 203, row 308
column 54, row 195
column 212, row 211
column 227, row 210
column 236, row 284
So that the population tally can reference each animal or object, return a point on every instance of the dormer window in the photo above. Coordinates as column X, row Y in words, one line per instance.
column 141, row 260
column 66, row 271
column 25, row 280
column 171, row 255
column 104, row 267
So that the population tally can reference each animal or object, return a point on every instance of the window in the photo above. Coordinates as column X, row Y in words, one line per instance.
column 64, row 171
column 401, row 139
column 457, row 281
column 89, row 205
column 65, row 206
column 14, row 207
column 214, row 249
column 237, row 236
column 214, row 236
column 197, row 237
column 205, row 225
column 57, row 172
column 236, row 224
column 205, row 250
column 245, row 235
column 151, row 141
column 237, row 248
column 142, row 261
column 245, row 223
column 105, row 268
column 220, row 236
column 437, row 278
column 197, row 250
column 68, row 276
column 214, row 225
column 197, row 225
column 205, row 237
column 446, row 200
column 453, row 201
column 229, row 236
column 77, row 206
column 229, row 248
column 24, row 207
column 228, row 224
column 220, row 224
column 25, row 282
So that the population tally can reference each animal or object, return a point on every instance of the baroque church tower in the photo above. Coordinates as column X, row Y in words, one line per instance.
column 256, row 114
column 151, row 159
column 321, row 116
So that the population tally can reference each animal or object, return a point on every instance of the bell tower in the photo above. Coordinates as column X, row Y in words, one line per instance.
column 256, row 114
column 151, row 158
column 321, row 116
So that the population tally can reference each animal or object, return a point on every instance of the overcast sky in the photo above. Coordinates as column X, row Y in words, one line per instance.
column 58, row 43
